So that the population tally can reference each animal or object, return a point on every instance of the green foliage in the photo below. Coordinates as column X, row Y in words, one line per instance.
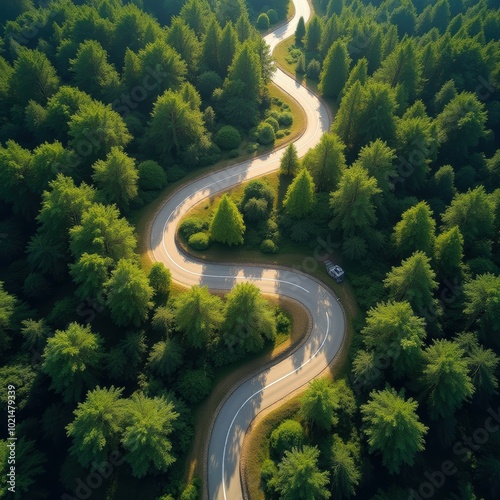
column 194, row 385
column 300, row 31
column 415, row 230
column 473, row 213
column 255, row 209
column 326, row 162
column 352, row 202
column 299, row 475
column 198, row 314
column 345, row 472
column 160, row 279
column 227, row 138
column 90, row 273
column 268, row 247
column 145, row 438
column 445, row 378
column 394, row 333
column 151, row 176
column 413, row 281
column 482, row 304
column 289, row 163
column 265, row 133
column 165, row 357
column 117, row 178
column 263, row 21
column 33, row 77
column 313, row 34
column 448, row 252
column 71, row 359
column 249, row 320
column 227, row 225
column 300, row 198
column 335, row 70
column 174, row 125
column 97, row 426
column 23, row 378
column 103, row 232
column 319, row 404
column 192, row 225
column 273, row 122
column 313, row 70
column 129, row 294
column 289, row 434
column 393, row 428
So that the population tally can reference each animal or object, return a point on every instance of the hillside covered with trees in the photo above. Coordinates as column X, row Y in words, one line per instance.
column 103, row 103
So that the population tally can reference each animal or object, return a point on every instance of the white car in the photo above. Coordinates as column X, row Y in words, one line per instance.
column 335, row 271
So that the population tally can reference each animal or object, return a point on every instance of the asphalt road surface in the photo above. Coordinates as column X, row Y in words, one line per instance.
column 272, row 384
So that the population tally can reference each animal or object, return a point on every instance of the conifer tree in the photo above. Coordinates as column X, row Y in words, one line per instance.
column 227, row 225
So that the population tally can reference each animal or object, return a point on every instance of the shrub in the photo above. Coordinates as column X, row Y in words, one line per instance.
column 151, row 176
column 252, row 148
column 301, row 64
column 287, row 435
column 283, row 322
column 207, row 82
column 199, row 241
column 194, row 385
column 233, row 153
column 265, row 133
column 268, row 473
column 273, row 16
column 192, row 225
column 175, row 172
column 190, row 493
column 255, row 209
column 268, row 246
column 280, row 134
column 285, row 119
column 228, row 138
column 313, row 70
column 273, row 122
column 274, row 114
column 263, row 21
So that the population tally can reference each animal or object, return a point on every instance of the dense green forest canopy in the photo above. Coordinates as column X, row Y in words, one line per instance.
column 104, row 102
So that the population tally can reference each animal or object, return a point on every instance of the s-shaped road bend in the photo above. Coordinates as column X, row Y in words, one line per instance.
column 328, row 323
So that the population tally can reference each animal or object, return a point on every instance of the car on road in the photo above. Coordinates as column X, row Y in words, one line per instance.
column 335, row 271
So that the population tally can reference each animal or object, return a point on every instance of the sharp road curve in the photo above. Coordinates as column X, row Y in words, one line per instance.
column 274, row 383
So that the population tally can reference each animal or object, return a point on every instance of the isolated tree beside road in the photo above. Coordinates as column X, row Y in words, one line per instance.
column 289, row 163
column 227, row 225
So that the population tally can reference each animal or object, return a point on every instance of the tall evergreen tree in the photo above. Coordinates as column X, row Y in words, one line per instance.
column 352, row 202
column 445, row 378
column 71, row 359
column 117, row 178
column 313, row 34
column 300, row 199
column 335, row 71
column 300, row 477
column 198, row 314
column 448, row 253
column 300, row 31
column 319, row 404
column 227, row 224
column 377, row 158
column 393, row 428
column 129, row 294
column 415, row 231
column 413, row 281
column 326, row 162
column 289, row 163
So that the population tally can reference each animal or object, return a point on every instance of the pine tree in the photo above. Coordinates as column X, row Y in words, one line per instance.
column 198, row 314
column 393, row 428
column 448, row 253
column 299, row 475
column 227, row 225
column 335, row 70
column 352, row 201
column 300, row 199
column 415, row 231
column 227, row 48
column 345, row 472
column 129, row 294
column 289, row 163
column 97, row 426
column 300, row 31
column 377, row 158
column 357, row 74
column 210, row 46
column 319, row 404
column 71, row 358
column 413, row 281
column 313, row 34
column 326, row 162
column 445, row 378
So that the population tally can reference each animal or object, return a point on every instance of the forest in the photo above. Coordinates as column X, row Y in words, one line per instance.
column 106, row 104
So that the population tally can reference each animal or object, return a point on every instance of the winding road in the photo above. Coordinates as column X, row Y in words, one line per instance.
column 328, row 328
